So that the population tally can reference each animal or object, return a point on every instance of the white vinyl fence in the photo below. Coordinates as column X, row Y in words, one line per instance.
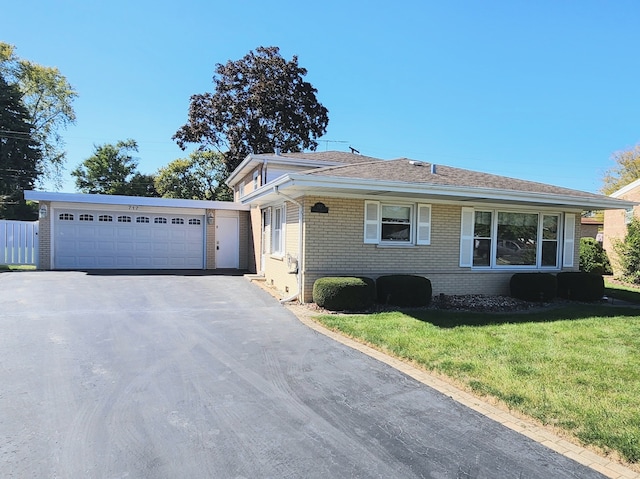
column 18, row 242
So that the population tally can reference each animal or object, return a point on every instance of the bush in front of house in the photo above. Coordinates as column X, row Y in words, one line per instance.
column 533, row 286
column 344, row 293
column 593, row 259
column 580, row 286
column 404, row 290
column 628, row 251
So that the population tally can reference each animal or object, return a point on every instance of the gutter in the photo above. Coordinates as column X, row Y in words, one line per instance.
column 300, row 249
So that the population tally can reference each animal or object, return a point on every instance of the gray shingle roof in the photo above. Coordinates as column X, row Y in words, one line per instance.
column 329, row 157
column 401, row 170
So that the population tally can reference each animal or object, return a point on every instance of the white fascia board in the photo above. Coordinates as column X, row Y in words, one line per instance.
column 265, row 190
column 234, row 177
column 253, row 160
column 625, row 189
column 306, row 182
column 131, row 200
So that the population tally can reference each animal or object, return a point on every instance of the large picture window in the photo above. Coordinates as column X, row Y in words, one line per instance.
column 512, row 239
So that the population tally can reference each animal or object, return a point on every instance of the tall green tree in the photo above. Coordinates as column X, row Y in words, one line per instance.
column 112, row 170
column 19, row 154
column 48, row 98
column 260, row 103
column 199, row 177
column 626, row 170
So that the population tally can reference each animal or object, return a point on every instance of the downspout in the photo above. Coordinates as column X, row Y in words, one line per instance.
column 300, row 249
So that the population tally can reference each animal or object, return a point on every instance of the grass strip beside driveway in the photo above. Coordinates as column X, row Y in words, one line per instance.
column 576, row 367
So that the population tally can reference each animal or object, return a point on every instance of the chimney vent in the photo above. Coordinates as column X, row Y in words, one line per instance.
column 433, row 169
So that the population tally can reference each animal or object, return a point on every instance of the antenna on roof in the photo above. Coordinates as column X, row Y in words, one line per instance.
column 326, row 143
column 353, row 150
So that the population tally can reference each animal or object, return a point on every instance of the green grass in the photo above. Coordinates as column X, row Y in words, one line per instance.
column 629, row 293
column 17, row 267
column 575, row 367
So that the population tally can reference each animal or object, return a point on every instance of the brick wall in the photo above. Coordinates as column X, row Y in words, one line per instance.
column 44, row 238
column 278, row 269
column 615, row 227
column 334, row 246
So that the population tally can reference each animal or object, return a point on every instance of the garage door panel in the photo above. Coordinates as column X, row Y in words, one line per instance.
column 126, row 244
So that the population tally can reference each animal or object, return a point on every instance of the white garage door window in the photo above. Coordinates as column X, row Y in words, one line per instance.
column 121, row 240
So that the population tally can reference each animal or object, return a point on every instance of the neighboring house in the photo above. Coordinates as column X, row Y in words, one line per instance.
column 341, row 214
column 80, row 231
column 591, row 228
column 616, row 220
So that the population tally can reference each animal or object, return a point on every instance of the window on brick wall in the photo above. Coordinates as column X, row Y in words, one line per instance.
column 512, row 239
column 277, row 230
column 397, row 223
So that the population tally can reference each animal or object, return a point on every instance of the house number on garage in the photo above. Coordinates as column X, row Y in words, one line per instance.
column 133, row 207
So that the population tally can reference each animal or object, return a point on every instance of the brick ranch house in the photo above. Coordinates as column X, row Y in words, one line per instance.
column 337, row 214
column 616, row 220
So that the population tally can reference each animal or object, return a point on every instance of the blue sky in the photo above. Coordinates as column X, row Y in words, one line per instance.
column 544, row 90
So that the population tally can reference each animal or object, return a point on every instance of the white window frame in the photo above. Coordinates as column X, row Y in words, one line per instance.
column 241, row 190
column 419, row 224
column 278, row 222
column 256, row 175
column 565, row 239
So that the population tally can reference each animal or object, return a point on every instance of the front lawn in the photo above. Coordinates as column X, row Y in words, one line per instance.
column 626, row 292
column 576, row 367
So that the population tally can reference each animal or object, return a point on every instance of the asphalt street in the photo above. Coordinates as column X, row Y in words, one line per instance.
column 206, row 376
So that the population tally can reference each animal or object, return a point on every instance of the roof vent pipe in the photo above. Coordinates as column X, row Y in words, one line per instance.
column 433, row 169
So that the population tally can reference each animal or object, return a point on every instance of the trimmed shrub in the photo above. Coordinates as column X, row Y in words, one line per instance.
column 593, row 259
column 580, row 286
column 340, row 294
column 404, row 290
column 533, row 286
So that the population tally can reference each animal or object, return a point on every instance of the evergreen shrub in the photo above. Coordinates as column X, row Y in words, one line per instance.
column 344, row 293
column 404, row 290
column 580, row 286
column 533, row 286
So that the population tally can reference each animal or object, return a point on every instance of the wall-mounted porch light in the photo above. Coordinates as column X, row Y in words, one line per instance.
column 210, row 219
column 43, row 212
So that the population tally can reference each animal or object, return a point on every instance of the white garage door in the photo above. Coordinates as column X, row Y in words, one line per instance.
column 121, row 240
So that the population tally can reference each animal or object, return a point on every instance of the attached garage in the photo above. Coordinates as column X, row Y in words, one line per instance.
column 85, row 232
column 106, row 239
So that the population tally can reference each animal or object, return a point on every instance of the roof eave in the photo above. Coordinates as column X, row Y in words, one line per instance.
column 130, row 200
column 305, row 183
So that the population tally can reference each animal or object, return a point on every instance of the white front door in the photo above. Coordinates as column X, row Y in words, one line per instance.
column 227, row 242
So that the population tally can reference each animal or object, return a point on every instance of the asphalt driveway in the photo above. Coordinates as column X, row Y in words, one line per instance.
column 196, row 376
